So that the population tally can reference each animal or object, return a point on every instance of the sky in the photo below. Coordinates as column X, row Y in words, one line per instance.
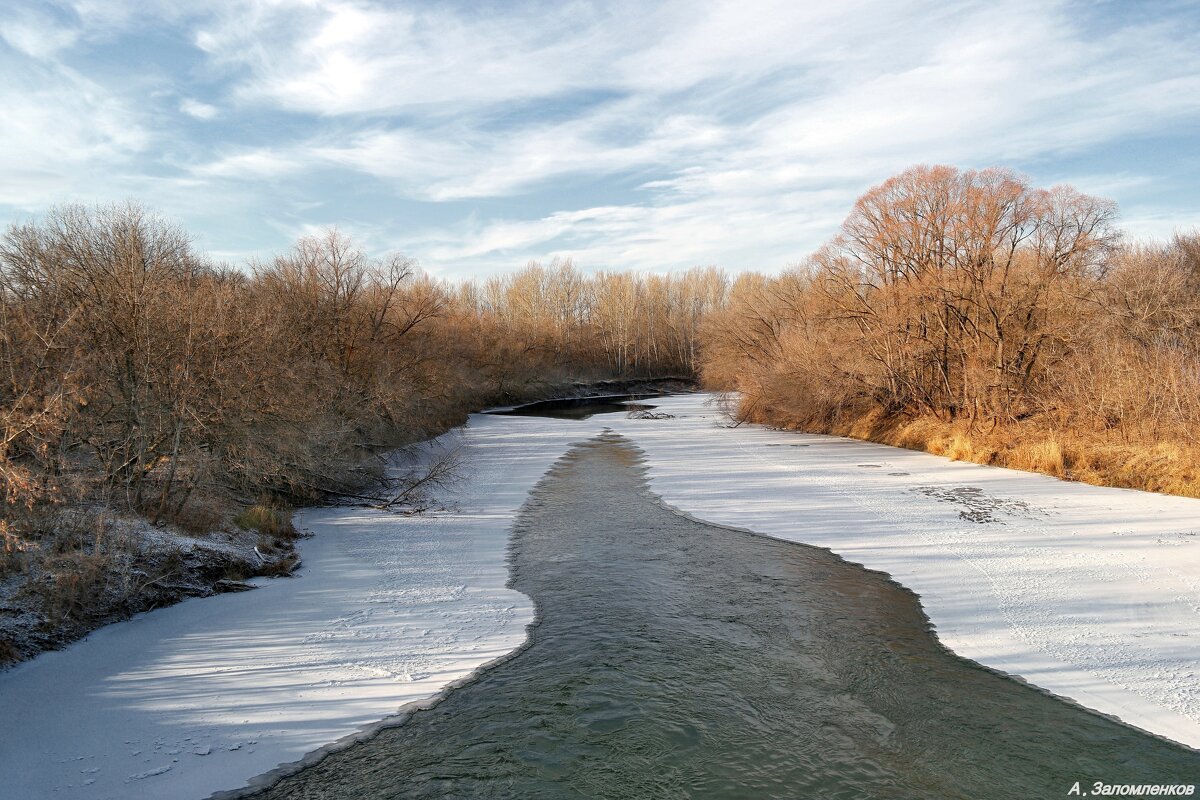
column 476, row 136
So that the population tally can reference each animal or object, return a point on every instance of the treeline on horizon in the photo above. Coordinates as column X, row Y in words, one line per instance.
column 971, row 314
column 962, row 312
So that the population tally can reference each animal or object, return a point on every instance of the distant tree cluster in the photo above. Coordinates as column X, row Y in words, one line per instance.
column 613, row 323
column 1009, row 319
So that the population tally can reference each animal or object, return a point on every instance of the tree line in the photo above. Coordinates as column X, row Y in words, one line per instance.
column 964, row 312
column 972, row 314
column 139, row 376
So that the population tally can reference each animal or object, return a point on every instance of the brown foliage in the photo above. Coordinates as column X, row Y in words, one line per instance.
column 971, row 314
column 268, row 518
column 610, row 323
column 138, row 376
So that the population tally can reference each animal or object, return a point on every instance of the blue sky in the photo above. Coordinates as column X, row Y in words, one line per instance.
column 475, row 136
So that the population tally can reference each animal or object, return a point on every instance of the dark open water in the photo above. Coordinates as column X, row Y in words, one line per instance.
column 674, row 659
column 580, row 407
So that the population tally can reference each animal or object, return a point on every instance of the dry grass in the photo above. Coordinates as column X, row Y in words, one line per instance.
column 72, row 585
column 268, row 518
column 198, row 515
column 282, row 567
column 1101, row 458
column 78, row 561
column 276, row 534
column 11, row 560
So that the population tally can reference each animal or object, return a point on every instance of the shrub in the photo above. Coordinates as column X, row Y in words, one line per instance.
column 268, row 519
column 71, row 586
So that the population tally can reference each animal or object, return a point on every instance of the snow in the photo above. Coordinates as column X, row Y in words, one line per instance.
column 205, row 695
column 1091, row 593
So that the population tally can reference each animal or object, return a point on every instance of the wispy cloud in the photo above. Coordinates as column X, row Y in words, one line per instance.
column 194, row 108
column 35, row 33
column 480, row 136
column 58, row 126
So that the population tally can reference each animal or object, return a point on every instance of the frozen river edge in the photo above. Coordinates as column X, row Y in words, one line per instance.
column 1090, row 593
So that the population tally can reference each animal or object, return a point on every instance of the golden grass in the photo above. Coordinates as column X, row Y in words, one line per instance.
column 268, row 519
column 1102, row 458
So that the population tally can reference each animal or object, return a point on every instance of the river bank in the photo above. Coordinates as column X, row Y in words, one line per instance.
column 386, row 610
column 1086, row 592
column 107, row 565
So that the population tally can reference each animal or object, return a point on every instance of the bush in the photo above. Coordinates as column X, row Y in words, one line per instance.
column 73, row 585
column 268, row 519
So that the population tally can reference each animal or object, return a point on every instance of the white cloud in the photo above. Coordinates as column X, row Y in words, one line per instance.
column 251, row 165
column 1151, row 223
column 989, row 96
column 475, row 164
column 347, row 57
column 332, row 57
column 747, row 126
column 729, row 232
column 35, row 34
column 59, row 130
column 194, row 108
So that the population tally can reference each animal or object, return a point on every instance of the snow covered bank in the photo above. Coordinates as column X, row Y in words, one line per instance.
column 1091, row 593
column 1088, row 592
column 203, row 696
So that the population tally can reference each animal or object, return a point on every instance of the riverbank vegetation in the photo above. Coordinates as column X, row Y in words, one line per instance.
column 973, row 315
column 146, row 388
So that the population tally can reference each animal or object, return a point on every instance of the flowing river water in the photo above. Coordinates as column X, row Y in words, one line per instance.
column 675, row 659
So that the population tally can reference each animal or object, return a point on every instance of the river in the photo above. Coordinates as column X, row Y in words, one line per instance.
column 675, row 659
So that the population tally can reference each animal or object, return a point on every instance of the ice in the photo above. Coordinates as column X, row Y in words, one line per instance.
column 1090, row 593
